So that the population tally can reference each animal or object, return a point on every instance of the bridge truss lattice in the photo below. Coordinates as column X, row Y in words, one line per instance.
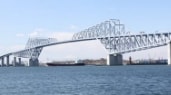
column 110, row 33
column 116, row 40
column 32, row 49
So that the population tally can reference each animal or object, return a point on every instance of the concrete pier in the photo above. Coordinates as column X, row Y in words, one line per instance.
column 2, row 61
column 114, row 59
column 15, row 61
column 169, row 53
column 33, row 62
column 8, row 60
column 19, row 61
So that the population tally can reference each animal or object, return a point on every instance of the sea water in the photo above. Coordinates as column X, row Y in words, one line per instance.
column 86, row 80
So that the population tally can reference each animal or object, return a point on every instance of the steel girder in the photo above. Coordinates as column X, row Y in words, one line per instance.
column 35, row 42
column 32, row 53
column 110, row 33
column 130, row 43
column 32, row 49
column 111, row 28
column 113, row 36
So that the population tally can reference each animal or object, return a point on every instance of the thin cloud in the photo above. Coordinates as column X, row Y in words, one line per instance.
column 33, row 34
column 9, row 49
column 38, row 32
column 20, row 35
column 74, row 27
column 61, row 36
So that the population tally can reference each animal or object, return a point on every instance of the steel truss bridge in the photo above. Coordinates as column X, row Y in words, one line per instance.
column 110, row 33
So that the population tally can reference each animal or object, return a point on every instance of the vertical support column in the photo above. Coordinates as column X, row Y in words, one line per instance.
column 130, row 60
column 33, row 62
column 2, row 62
column 8, row 58
column 113, row 60
column 15, row 61
column 169, row 53
column 19, row 59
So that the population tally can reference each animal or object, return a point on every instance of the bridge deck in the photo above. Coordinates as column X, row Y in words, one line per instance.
column 168, row 34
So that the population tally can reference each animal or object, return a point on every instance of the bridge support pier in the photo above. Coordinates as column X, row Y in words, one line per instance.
column 114, row 59
column 2, row 62
column 19, row 61
column 169, row 53
column 8, row 60
column 34, row 62
column 15, row 61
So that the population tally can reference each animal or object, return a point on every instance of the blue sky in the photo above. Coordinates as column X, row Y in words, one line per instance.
column 19, row 18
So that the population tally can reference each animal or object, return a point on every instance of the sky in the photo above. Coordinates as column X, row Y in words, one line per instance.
column 21, row 19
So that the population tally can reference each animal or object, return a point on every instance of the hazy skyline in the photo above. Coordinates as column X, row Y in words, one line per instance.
column 21, row 19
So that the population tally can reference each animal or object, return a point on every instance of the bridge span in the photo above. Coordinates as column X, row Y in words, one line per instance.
column 110, row 33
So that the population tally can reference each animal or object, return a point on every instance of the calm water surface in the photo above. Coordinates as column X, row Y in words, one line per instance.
column 86, row 80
